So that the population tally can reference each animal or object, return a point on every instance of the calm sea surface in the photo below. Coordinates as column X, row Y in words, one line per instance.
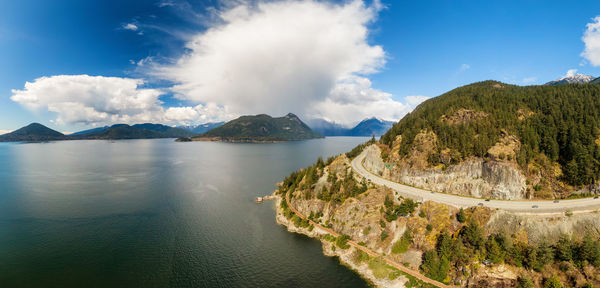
column 156, row 213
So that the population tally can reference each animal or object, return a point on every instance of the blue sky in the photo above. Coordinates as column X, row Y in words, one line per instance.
column 411, row 48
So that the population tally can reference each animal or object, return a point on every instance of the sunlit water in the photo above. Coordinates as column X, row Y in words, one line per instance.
column 156, row 213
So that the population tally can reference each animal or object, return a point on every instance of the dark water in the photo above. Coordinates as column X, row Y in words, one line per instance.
column 156, row 213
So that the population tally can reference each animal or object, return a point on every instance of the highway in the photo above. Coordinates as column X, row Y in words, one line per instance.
column 522, row 206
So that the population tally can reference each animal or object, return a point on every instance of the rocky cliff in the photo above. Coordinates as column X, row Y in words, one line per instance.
column 414, row 233
column 472, row 177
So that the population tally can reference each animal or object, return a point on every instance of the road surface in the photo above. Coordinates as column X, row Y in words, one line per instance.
column 522, row 206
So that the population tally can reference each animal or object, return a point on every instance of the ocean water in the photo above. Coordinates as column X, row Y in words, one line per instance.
column 156, row 213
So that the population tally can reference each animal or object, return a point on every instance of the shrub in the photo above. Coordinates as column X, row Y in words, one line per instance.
column 383, row 235
column 342, row 241
column 401, row 246
column 460, row 216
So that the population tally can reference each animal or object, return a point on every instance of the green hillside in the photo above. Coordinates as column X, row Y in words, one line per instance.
column 561, row 122
column 263, row 128
column 137, row 131
column 32, row 132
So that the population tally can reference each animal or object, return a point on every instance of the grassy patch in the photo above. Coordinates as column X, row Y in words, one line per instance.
column 361, row 256
column 379, row 268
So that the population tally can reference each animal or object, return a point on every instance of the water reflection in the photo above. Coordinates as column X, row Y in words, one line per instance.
column 156, row 213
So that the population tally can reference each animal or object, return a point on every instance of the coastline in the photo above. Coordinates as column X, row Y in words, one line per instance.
column 345, row 256
column 234, row 140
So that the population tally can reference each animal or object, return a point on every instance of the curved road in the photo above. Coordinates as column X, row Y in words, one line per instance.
column 523, row 206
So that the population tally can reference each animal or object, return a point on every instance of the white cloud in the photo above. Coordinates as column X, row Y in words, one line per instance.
column 354, row 100
column 571, row 73
column 5, row 131
column 416, row 99
column 529, row 80
column 464, row 67
column 166, row 3
column 591, row 38
column 99, row 100
column 130, row 26
column 90, row 99
column 306, row 57
column 198, row 114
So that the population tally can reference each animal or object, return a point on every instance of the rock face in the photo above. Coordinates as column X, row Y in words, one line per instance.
column 472, row 177
column 463, row 116
column 538, row 228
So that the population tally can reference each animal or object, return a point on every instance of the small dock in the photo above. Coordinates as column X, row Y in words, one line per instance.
column 263, row 198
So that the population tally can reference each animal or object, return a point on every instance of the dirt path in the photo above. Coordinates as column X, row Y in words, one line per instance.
column 372, row 253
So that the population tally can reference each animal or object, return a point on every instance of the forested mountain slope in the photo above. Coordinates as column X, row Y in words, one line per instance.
column 258, row 128
column 550, row 132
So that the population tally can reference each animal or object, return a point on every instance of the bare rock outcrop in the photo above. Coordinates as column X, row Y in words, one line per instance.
column 472, row 177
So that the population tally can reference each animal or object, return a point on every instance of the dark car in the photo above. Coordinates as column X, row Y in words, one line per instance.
column 534, row 206
column 555, row 201
column 480, row 204
column 487, row 200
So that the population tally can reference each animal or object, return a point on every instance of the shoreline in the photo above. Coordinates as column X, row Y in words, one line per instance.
column 345, row 256
column 233, row 140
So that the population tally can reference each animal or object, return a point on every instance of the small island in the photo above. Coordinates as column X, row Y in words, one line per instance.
column 260, row 128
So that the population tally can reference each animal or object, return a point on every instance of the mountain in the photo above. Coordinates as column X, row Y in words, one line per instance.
column 137, row 131
column 166, row 131
column 261, row 128
column 32, row 132
column 327, row 128
column 202, row 128
column 89, row 131
column 596, row 81
column 371, row 126
column 574, row 79
column 532, row 141
column 368, row 127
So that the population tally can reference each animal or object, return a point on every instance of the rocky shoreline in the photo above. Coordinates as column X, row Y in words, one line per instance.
column 345, row 256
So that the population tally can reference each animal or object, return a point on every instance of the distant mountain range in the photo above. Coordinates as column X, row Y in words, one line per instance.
column 137, row 131
column 88, row 131
column 260, row 128
column 368, row 127
column 202, row 128
column 39, row 132
column 575, row 79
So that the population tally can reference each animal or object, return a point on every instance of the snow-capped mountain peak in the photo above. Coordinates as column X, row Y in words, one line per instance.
column 572, row 79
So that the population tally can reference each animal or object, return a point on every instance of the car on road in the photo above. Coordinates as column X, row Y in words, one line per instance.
column 596, row 197
column 487, row 200
column 369, row 180
column 534, row 206
column 480, row 204
column 555, row 201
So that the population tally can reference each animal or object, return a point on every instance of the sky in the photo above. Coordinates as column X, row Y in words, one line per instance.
column 73, row 65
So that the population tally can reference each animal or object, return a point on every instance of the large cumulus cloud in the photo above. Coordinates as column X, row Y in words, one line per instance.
column 307, row 57
column 312, row 58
